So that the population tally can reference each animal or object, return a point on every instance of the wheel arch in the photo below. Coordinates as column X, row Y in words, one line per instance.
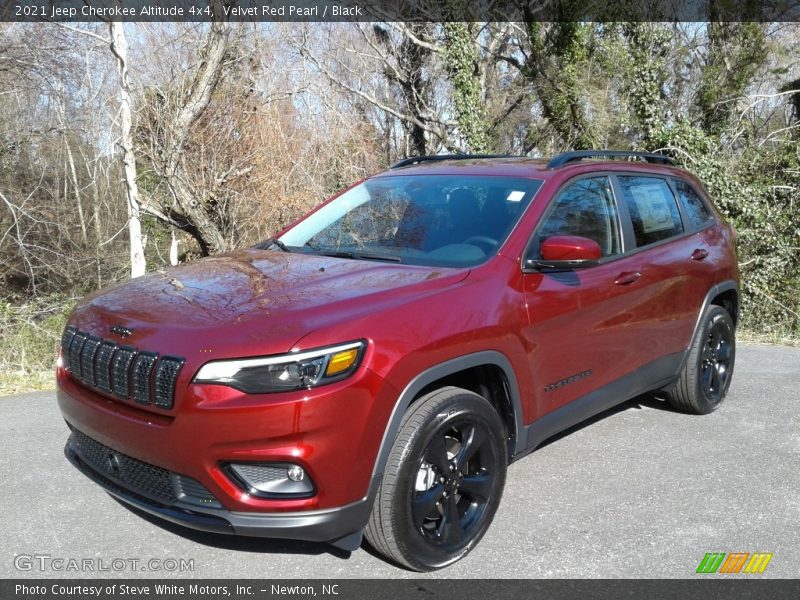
column 729, row 300
column 475, row 366
column 725, row 294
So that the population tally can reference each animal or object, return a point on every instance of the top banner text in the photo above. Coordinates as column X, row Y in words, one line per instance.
column 65, row 11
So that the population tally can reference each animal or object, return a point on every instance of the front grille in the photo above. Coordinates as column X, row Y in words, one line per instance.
column 66, row 341
column 102, row 361
column 140, row 377
column 140, row 477
column 166, row 376
column 121, row 371
column 87, row 358
column 192, row 491
column 75, row 353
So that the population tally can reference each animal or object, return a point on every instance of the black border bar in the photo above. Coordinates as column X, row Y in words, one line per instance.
column 402, row 589
column 65, row 11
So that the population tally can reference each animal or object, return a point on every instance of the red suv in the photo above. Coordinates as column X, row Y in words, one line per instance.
column 375, row 367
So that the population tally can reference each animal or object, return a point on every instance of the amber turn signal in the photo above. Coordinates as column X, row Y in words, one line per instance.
column 341, row 361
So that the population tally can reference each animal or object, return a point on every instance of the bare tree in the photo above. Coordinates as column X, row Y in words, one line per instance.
column 389, row 66
column 119, row 47
column 170, row 129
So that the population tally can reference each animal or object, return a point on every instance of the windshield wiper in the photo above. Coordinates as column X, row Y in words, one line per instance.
column 358, row 255
column 279, row 244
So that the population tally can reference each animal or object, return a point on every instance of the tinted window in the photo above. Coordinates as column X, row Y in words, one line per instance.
column 693, row 206
column 587, row 209
column 652, row 207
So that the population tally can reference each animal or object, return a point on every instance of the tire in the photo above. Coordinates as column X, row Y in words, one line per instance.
column 443, row 481
column 706, row 376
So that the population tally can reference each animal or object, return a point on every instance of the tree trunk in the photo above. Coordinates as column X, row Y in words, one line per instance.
column 119, row 46
column 463, row 60
column 77, row 190
column 197, row 214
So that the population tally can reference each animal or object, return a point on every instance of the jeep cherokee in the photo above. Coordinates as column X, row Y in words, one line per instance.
column 374, row 367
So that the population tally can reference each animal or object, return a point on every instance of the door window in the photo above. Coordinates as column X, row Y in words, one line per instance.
column 652, row 208
column 586, row 208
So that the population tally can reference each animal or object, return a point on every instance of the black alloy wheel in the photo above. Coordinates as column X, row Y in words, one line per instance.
column 454, row 482
column 716, row 360
column 442, row 483
column 708, row 368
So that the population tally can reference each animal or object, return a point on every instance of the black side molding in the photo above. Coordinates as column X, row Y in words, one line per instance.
column 651, row 376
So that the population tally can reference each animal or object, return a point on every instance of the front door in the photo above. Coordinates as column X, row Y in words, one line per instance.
column 584, row 330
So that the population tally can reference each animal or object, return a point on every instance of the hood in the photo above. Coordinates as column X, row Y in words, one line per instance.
column 250, row 301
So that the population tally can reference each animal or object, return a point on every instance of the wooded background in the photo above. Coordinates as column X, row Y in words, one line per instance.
column 121, row 145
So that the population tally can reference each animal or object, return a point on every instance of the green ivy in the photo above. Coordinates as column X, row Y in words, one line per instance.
column 462, row 58
column 758, row 192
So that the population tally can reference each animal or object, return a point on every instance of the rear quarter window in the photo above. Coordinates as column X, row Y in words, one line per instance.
column 652, row 208
column 694, row 208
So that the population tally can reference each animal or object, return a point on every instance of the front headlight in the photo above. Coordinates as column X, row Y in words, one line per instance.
column 285, row 372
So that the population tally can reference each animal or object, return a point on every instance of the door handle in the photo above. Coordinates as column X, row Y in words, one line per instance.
column 699, row 254
column 627, row 277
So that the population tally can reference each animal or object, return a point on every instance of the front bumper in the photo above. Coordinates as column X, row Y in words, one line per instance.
column 332, row 432
column 340, row 526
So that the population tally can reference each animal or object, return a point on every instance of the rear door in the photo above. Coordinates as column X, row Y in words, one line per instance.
column 671, row 258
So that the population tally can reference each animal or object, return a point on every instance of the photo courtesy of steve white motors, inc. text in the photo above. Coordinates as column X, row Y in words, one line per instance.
column 172, row 589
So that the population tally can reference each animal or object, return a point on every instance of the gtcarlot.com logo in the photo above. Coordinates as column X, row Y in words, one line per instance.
column 735, row 562
column 47, row 562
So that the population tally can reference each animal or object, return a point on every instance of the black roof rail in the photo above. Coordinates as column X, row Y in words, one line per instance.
column 415, row 160
column 577, row 155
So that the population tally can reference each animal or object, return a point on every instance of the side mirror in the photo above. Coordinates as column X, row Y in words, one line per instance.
column 565, row 252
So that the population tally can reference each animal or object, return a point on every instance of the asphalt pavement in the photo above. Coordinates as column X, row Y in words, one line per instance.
column 640, row 491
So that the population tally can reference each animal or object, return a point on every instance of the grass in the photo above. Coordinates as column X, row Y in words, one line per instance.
column 754, row 337
column 29, row 338
column 20, row 382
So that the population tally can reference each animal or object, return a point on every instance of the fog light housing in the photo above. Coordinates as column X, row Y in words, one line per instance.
column 296, row 473
column 271, row 480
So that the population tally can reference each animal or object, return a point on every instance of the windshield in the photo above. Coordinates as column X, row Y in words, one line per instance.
column 438, row 220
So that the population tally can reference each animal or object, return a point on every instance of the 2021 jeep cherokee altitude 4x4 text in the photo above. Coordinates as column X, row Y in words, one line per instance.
column 375, row 366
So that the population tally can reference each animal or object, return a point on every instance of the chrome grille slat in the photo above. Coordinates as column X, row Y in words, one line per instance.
column 121, row 371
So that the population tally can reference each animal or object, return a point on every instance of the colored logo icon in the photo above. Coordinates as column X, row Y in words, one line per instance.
column 735, row 562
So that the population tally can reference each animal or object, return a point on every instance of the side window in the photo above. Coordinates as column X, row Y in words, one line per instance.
column 694, row 208
column 652, row 207
column 587, row 209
